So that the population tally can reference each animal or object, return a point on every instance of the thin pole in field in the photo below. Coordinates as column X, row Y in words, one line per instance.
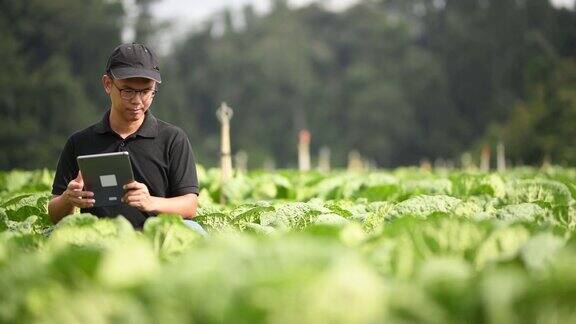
column 224, row 114
column 324, row 159
column 241, row 161
column 485, row 159
column 355, row 161
column 500, row 157
column 304, row 150
column 425, row 165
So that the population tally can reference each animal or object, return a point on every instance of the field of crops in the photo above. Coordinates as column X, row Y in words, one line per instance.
column 398, row 246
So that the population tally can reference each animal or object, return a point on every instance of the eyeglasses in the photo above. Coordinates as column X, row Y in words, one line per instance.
column 129, row 94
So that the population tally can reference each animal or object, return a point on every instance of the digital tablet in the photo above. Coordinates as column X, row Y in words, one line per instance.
column 105, row 175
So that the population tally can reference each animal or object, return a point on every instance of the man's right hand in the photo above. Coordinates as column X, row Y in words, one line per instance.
column 74, row 196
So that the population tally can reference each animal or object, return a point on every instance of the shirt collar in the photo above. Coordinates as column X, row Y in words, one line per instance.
column 149, row 127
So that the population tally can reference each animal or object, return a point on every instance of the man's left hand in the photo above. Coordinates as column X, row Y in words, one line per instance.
column 137, row 195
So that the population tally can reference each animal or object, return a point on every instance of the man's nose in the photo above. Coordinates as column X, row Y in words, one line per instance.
column 138, row 98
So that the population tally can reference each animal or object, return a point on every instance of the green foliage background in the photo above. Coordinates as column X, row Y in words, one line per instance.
column 396, row 80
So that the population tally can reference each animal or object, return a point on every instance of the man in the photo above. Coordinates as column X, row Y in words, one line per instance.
column 161, row 155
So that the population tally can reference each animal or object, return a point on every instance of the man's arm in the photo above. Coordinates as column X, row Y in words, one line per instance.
column 183, row 205
column 137, row 195
column 58, row 207
column 66, row 203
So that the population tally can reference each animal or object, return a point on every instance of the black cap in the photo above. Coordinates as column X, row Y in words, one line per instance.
column 133, row 61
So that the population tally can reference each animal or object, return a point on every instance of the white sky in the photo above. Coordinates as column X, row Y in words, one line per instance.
column 194, row 11
column 185, row 14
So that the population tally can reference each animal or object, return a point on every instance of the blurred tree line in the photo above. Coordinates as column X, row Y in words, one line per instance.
column 397, row 80
column 52, row 54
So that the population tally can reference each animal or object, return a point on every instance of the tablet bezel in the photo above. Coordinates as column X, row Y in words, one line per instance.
column 96, row 166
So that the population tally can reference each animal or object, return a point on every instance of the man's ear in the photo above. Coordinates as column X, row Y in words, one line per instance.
column 107, row 83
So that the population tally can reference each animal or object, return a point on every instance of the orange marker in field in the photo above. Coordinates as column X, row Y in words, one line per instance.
column 304, row 150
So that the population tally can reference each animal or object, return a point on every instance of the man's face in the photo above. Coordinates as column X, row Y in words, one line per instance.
column 131, row 98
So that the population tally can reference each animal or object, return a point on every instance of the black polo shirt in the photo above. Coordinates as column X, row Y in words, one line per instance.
column 160, row 153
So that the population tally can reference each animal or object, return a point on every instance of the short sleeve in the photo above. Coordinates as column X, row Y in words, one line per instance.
column 67, row 168
column 182, row 174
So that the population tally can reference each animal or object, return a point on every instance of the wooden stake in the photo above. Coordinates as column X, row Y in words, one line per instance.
column 269, row 164
column 500, row 157
column 355, row 161
column 467, row 162
column 440, row 163
column 547, row 161
column 425, row 165
column 485, row 159
column 324, row 159
column 369, row 164
column 224, row 114
column 241, row 161
column 304, row 150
